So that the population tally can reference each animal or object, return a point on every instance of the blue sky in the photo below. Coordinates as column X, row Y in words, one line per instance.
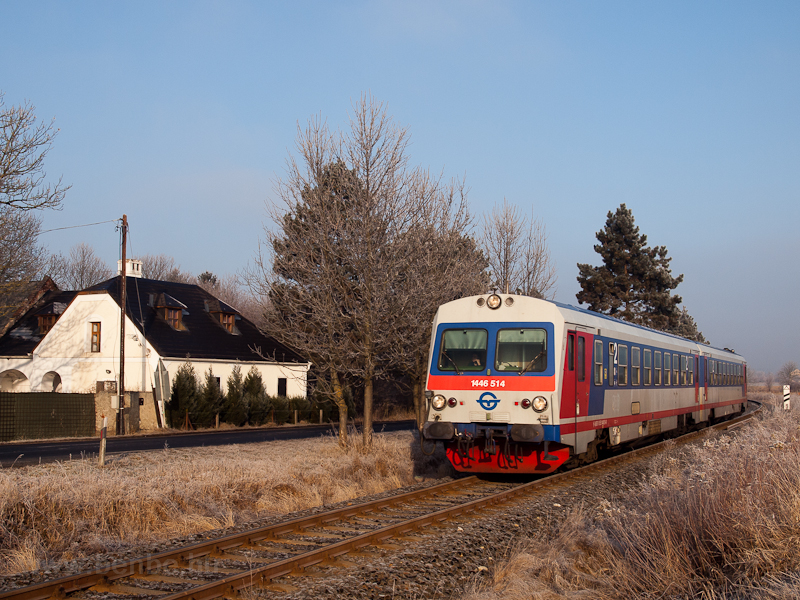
column 182, row 114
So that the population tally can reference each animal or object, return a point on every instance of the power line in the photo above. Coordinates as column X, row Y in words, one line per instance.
column 76, row 226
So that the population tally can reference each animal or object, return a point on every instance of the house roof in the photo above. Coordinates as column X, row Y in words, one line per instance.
column 17, row 297
column 23, row 336
column 204, row 336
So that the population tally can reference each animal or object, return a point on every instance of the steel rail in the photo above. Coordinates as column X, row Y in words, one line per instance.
column 215, row 548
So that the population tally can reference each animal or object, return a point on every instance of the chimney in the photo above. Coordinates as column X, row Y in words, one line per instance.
column 134, row 267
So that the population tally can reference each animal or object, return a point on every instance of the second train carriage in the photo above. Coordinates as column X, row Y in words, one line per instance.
column 522, row 385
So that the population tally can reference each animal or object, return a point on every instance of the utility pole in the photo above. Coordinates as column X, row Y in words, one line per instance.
column 123, row 289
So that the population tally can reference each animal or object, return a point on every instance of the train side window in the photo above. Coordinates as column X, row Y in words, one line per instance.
column 648, row 366
column 611, row 363
column 581, row 359
column 711, row 372
column 657, row 368
column 675, row 369
column 571, row 352
column 691, row 370
column 635, row 366
column 598, row 362
column 684, row 369
column 667, row 368
column 622, row 375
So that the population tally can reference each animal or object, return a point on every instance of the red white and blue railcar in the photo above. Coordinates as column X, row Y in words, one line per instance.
column 522, row 385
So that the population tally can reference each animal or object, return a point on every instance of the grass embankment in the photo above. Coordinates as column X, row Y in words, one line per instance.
column 68, row 510
column 719, row 520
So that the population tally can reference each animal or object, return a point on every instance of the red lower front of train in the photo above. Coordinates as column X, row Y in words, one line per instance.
column 507, row 457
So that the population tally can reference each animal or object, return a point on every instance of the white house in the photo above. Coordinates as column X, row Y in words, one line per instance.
column 70, row 341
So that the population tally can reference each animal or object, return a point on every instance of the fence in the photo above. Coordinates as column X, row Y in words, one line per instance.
column 40, row 415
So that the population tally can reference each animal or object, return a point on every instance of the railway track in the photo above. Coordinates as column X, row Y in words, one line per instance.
column 224, row 566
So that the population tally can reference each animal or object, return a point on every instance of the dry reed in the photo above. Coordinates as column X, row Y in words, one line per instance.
column 720, row 520
column 68, row 510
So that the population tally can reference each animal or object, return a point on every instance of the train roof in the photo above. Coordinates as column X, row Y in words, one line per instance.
column 586, row 317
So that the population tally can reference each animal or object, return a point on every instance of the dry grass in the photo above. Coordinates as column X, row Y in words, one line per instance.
column 717, row 521
column 73, row 509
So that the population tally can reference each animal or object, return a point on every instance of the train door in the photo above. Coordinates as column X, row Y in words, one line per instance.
column 575, row 390
column 706, row 377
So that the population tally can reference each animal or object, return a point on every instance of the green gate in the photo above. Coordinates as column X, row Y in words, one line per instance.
column 41, row 415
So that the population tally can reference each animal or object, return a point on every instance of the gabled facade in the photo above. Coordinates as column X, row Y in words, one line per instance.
column 70, row 341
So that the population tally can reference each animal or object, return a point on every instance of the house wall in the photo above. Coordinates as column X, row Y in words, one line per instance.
column 294, row 373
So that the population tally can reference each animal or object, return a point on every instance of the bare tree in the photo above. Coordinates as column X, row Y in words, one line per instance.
column 232, row 290
column 163, row 268
column 516, row 247
column 21, row 258
column 81, row 268
column 769, row 379
column 789, row 374
column 350, row 223
column 444, row 263
column 24, row 144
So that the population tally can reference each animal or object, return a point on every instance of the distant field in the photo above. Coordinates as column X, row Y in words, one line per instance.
column 67, row 510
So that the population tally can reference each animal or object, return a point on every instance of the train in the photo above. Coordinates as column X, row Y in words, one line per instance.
column 522, row 385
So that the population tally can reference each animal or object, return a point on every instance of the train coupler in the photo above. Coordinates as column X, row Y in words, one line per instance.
column 490, row 447
column 464, row 442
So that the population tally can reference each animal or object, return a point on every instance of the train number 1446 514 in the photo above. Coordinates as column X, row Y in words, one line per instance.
column 488, row 383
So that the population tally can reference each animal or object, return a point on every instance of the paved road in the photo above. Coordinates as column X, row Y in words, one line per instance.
column 27, row 453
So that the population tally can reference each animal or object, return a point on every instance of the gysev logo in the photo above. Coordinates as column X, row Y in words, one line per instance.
column 488, row 401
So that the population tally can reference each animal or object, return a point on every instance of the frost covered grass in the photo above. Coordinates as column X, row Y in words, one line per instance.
column 713, row 521
column 68, row 510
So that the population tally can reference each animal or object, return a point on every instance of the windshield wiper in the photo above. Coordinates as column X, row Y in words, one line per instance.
column 447, row 356
column 530, row 364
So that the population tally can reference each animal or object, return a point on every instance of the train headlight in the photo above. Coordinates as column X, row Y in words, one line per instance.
column 539, row 403
column 493, row 301
column 438, row 402
column 451, row 402
column 525, row 403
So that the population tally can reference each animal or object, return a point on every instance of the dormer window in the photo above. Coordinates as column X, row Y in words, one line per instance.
column 227, row 321
column 170, row 309
column 173, row 317
column 46, row 323
column 223, row 314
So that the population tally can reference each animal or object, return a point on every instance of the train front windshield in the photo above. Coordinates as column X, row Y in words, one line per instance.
column 521, row 350
column 463, row 350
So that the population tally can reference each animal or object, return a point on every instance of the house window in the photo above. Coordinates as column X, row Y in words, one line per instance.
column 281, row 386
column 173, row 317
column 95, row 337
column 46, row 323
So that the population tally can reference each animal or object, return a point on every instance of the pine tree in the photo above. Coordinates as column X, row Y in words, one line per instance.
column 234, row 409
column 634, row 283
column 209, row 401
column 254, row 395
column 687, row 328
column 184, row 395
